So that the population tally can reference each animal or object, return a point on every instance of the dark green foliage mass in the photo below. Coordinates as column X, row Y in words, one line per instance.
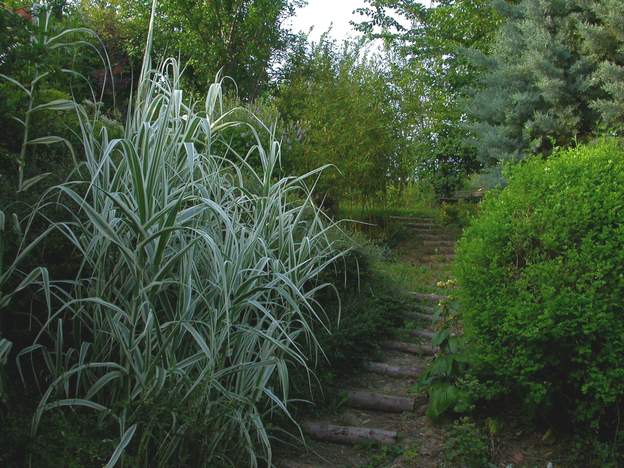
column 541, row 276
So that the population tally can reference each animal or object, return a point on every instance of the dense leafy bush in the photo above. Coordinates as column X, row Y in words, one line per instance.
column 457, row 214
column 466, row 446
column 541, row 275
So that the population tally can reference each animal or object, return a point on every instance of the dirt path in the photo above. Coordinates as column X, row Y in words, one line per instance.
column 409, row 438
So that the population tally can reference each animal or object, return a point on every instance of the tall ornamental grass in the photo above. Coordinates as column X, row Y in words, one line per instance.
column 195, row 295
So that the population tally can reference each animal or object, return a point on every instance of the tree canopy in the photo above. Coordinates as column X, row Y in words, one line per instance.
column 342, row 104
column 239, row 38
column 433, row 73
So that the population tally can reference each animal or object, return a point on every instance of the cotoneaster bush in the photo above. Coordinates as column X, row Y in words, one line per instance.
column 541, row 275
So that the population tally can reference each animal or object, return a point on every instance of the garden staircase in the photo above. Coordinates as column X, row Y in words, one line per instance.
column 381, row 409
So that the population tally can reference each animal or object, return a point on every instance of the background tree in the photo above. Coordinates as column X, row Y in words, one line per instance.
column 604, row 41
column 342, row 105
column 241, row 38
column 434, row 74
column 537, row 91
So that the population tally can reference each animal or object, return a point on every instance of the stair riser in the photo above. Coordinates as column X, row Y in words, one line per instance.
column 439, row 252
column 349, row 435
column 409, row 219
column 376, row 402
column 432, row 236
column 422, row 226
column 420, row 317
column 427, row 335
column 431, row 298
column 409, row 348
column 438, row 258
column 393, row 371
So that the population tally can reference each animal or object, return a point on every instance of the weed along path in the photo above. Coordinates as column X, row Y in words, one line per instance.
column 380, row 421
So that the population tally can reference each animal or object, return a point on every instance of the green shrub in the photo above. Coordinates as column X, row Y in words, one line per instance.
column 457, row 214
column 466, row 446
column 541, row 276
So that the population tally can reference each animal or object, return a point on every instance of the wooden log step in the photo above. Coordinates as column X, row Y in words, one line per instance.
column 415, row 219
column 348, row 434
column 393, row 371
column 296, row 464
column 425, row 309
column 419, row 316
column 410, row 348
column 363, row 399
column 433, row 257
column 425, row 297
column 438, row 258
column 429, row 221
column 437, row 246
column 442, row 255
column 439, row 242
column 426, row 226
column 443, row 249
column 433, row 236
column 425, row 230
column 426, row 334
column 437, row 265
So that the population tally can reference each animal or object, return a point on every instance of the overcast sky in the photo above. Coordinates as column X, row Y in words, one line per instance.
column 320, row 14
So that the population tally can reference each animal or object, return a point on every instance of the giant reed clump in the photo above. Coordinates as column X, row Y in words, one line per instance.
column 196, row 290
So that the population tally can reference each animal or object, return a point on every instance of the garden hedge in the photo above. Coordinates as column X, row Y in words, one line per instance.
column 541, row 276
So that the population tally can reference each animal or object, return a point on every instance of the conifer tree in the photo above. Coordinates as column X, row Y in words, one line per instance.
column 604, row 41
column 538, row 91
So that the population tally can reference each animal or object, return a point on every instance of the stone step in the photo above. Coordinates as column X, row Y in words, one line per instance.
column 410, row 348
column 349, row 435
column 363, row 399
column 427, row 297
column 392, row 371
